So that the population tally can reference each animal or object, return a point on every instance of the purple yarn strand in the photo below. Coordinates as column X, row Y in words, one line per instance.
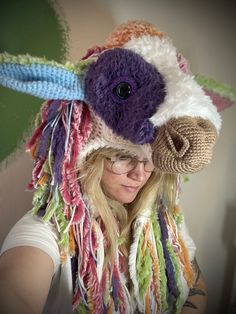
column 169, row 266
column 105, row 309
column 58, row 149
column 53, row 110
column 45, row 138
column 74, row 269
column 115, row 291
column 44, row 143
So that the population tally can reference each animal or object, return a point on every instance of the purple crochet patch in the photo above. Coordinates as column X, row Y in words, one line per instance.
column 125, row 91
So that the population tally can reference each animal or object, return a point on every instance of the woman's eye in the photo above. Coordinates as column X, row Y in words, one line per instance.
column 123, row 90
column 124, row 157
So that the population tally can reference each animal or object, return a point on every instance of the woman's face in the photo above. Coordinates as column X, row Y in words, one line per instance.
column 124, row 187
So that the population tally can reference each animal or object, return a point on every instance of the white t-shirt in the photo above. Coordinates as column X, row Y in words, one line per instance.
column 32, row 231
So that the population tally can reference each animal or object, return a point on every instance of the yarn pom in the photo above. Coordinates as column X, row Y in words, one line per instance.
column 131, row 29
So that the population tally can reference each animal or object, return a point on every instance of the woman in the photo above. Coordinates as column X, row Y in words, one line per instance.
column 106, row 233
column 122, row 188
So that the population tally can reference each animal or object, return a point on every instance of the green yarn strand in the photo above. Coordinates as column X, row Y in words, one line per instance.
column 26, row 59
column 179, row 219
column 144, row 268
column 146, row 273
column 52, row 206
column 179, row 300
column 216, row 87
column 81, row 309
column 63, row 223
column 40, row 198
column 163, row 279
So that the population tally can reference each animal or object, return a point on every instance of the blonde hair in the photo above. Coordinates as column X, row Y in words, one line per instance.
column 117, row 218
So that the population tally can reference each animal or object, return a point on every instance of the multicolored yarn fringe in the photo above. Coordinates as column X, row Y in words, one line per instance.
column 63, row 130
column 158, row 255
column 161, row 257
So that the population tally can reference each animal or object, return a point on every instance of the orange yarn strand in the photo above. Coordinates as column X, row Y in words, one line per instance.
column 155, row 272
column 176, row 210
column 63, row 257
column 132, row 29
column 43, row 180
column 188, row 268
column 111, row 306
column 34, row 150
column 183, row 255
column 147, row 302
column 72, row 242
column 147, row 231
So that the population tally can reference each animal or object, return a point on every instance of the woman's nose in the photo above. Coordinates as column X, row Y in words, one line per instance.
column 138, row 173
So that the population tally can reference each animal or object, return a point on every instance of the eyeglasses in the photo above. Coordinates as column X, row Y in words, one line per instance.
column 124, row 163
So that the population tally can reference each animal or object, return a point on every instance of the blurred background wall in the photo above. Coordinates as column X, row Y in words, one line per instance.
column 205, row 33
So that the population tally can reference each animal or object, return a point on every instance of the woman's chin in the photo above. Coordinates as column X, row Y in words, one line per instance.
column 126, row 198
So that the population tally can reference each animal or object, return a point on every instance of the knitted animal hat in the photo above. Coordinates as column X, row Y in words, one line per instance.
column 136, row 94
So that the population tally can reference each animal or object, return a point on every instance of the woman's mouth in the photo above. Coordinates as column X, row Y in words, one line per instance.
column 130, row 188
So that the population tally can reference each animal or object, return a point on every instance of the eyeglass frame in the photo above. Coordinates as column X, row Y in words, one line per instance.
column 133, row 158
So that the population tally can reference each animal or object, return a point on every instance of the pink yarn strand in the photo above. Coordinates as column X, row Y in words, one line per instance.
column 85, row 247
column 94, row 292
column 70, row 186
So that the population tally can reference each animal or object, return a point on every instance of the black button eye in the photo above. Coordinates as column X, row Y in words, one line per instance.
column 123, row 90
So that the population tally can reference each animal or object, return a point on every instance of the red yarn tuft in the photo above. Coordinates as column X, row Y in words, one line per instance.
column 37, row 171
column 37, row 133
column 85, row 247
column 95, row 294
column 92, row 52
column 79, row 213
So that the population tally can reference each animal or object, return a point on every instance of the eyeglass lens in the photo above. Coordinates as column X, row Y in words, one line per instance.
column 124, row 165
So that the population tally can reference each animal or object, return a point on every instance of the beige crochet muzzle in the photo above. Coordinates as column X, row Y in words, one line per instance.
column 184, row 145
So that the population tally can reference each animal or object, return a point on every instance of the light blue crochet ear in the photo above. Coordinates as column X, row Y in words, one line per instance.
column 42, row 78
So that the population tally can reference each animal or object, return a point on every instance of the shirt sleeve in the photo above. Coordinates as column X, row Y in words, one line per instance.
column 188, row 241
column 30, row 230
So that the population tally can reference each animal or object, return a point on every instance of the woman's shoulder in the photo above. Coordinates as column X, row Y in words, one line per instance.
column 31, row 230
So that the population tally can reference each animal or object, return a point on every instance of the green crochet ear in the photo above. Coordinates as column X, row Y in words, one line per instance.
column 43, row 78
column 221, row 94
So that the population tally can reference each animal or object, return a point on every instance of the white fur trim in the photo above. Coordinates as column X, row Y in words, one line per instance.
column 138, row 226
column 102, row 136
column 129, row 302
column 184, row 97
column 100, row 251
